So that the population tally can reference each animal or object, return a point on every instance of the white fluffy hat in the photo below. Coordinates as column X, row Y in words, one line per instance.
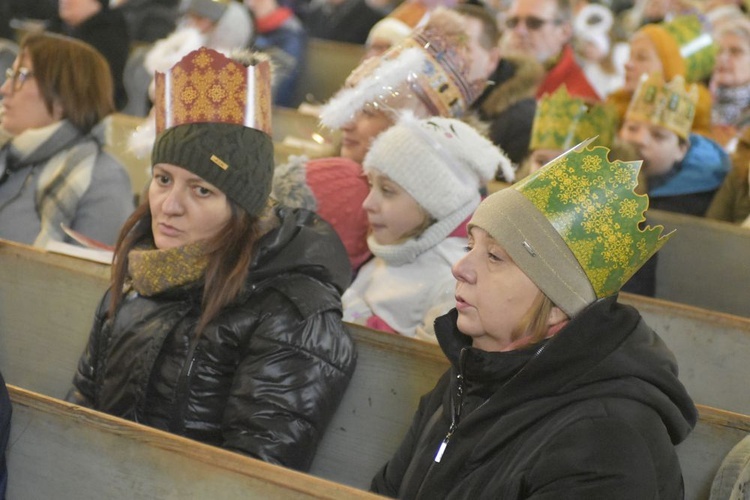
column 441, row 162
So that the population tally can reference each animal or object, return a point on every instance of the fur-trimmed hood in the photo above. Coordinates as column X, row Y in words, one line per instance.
column 516, row 78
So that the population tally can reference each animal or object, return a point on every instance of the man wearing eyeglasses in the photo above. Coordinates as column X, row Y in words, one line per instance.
column 542, row 29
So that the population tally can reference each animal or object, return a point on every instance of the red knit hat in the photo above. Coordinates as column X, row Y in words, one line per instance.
column 340, row 186
column 335, row 189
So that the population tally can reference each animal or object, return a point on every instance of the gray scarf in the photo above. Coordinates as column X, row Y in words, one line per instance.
column 64, row 163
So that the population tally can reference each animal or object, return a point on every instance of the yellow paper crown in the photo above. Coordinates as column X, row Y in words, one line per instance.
column 561, row 121
column 670, row 105
column 208, row 87
column 592, row 205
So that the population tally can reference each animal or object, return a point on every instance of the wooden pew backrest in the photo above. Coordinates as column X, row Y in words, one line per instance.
column 326, row 68
column 39, row 351
column 392, row 373
column 118, row 129
column 47, row 304
column 711, row 348
column 296, row 133
column 706, row 263
column 702, row 452
column 62, row 451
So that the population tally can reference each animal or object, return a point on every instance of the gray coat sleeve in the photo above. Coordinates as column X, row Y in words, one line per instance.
column 107, row 203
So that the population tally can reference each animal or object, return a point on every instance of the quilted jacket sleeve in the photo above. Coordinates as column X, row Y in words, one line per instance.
column 297, row 365
column 83, row 390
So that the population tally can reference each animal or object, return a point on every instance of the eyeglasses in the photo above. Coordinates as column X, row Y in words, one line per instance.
column 18, row 77
column 532, row 23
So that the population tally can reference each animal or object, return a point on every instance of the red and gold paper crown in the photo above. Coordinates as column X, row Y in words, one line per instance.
column 669, row 105
column 208, row 87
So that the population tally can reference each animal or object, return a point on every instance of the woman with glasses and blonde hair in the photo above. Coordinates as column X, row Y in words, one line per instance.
column 53, row 171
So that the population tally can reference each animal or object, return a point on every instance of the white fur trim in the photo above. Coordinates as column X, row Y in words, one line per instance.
column 386, row 77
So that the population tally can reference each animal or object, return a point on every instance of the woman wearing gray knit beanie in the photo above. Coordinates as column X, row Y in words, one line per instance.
column 425, row 177
column 223, row 319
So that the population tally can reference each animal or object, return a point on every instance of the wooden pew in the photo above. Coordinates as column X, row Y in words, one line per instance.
column 62, row 451
column 296, row 133
column 326, row 68
column 59, row 450
column 47, row 304
column 711, row 348
column 702, row 452
column 705, row 264
column 290, row 122
column 118, row 129
column 392, row 372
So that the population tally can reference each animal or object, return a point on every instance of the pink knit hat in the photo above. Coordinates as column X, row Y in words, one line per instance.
column 334, row 188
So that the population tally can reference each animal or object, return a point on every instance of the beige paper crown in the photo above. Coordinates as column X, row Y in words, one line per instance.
column 669, row 105
column 208, row 87
column 561, row 121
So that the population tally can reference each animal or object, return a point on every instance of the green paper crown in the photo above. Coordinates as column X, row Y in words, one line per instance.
column 592, row 205
column 561, row 121
column 697, row 47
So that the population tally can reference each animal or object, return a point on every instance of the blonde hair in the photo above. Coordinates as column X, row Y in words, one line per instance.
column 533, row 324
column 427, row 221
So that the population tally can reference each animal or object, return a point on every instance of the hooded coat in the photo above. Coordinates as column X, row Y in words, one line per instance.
column 505, row 110
column 263, row 378
column 691, row 184
column 594, row 412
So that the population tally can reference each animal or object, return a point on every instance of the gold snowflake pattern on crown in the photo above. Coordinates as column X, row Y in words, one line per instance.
column 208, row 87
column 592, row 205
column 669, row 105
column 562, row 121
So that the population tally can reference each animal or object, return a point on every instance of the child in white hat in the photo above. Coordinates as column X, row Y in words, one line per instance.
column 425, row 178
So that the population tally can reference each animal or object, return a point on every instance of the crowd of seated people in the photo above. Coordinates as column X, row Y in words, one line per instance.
column 234, row 274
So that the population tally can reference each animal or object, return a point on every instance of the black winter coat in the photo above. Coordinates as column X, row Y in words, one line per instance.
column 107, row 32
column 264, row 377
column 594, row 412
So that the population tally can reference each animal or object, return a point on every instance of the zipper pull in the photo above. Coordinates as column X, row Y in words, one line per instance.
column 441, row 450
column 444, row 443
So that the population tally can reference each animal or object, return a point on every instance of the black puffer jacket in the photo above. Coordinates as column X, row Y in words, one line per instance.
column 594, row 412
column 264, row 377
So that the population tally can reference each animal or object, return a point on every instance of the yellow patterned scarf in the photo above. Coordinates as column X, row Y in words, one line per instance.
column 153, row 271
